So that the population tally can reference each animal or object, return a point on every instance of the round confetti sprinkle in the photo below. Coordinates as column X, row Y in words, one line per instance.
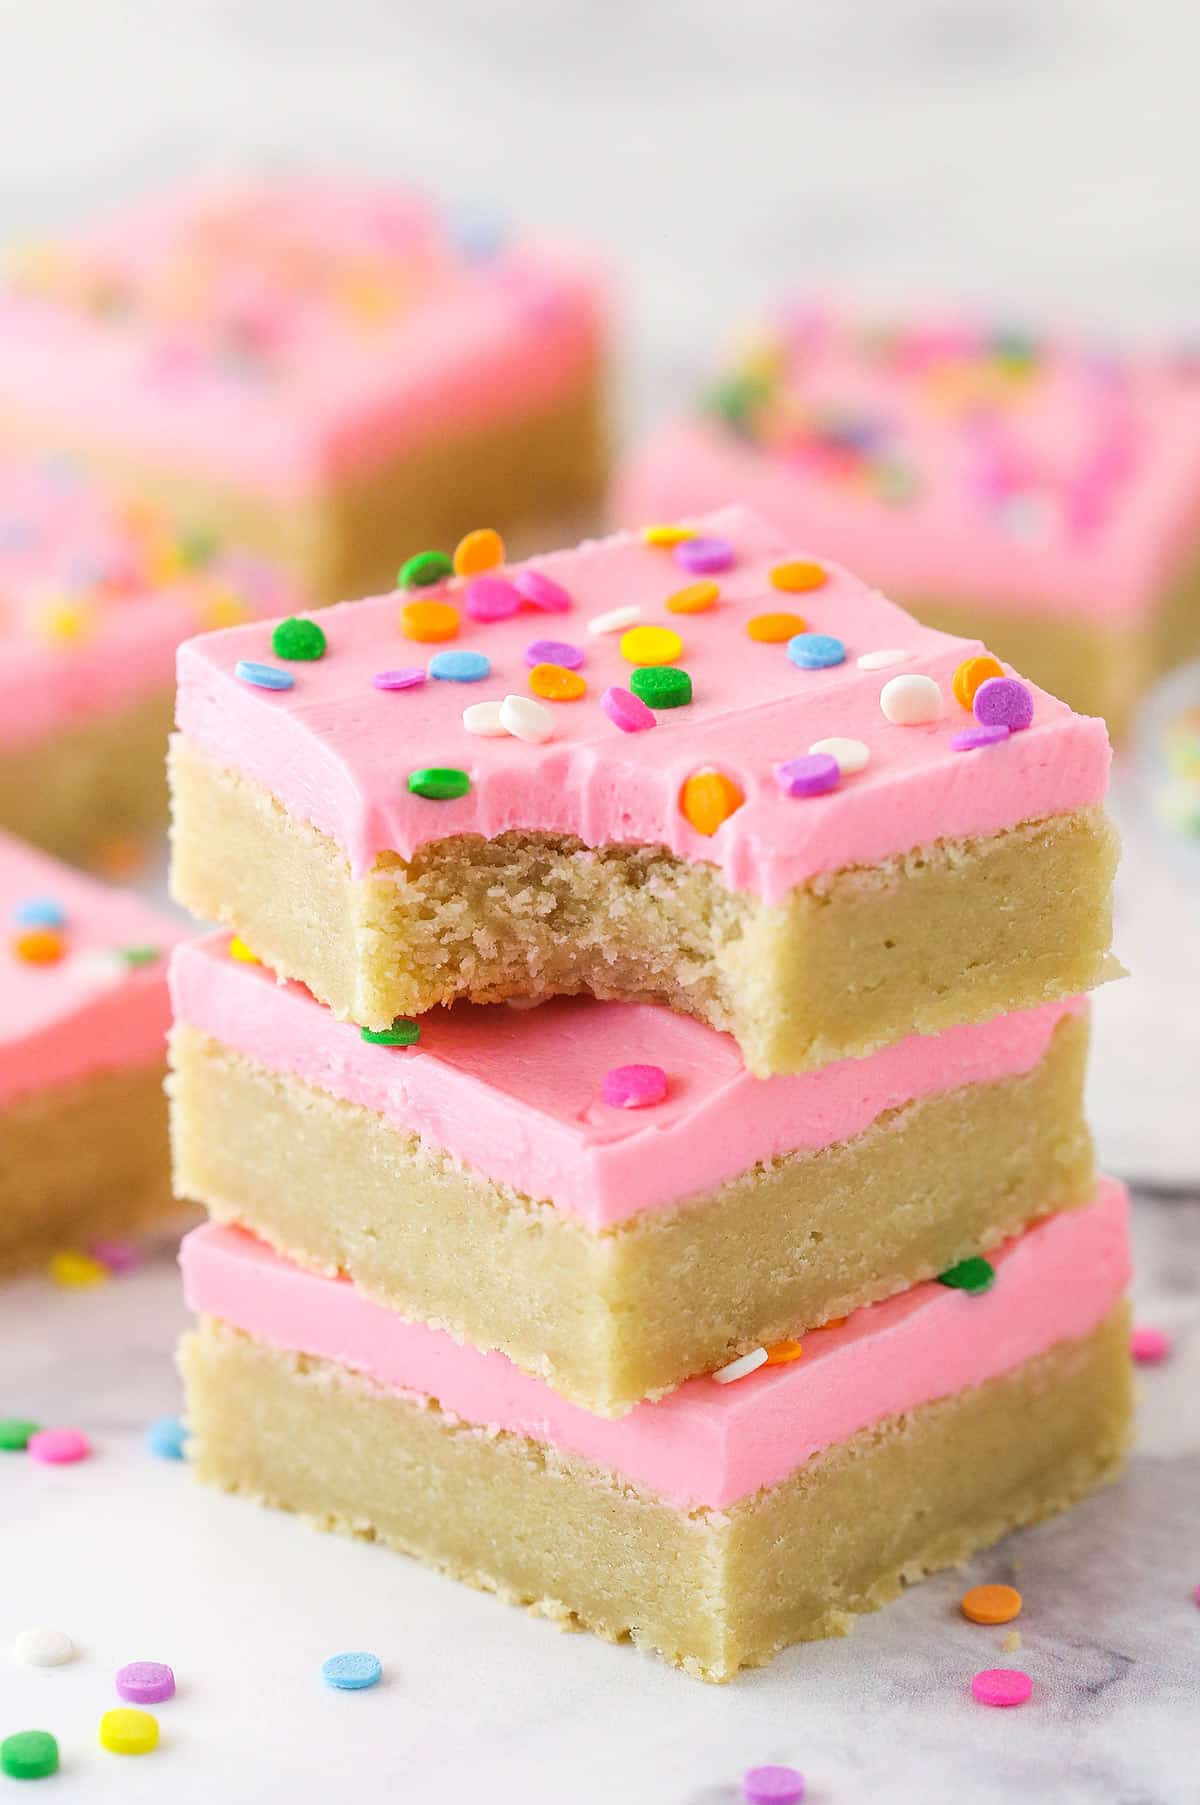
column 404, row 1032
column 738, row 1369
column 39, row 912
column 661, row 686
column 411, row 678
column 911, row 701
column 424, row 570
column 16, row 1433
column 668, row 535
column 703, row 557
column 1003, row 702
column 299, row 639
column 814, row 775
column 481, row 550
column 991, row 1604
column 881, row 661
column 650, row 645
column 615, row 621
column 708, row 798
column 541, row 591
column 554, row 683
column 627, row 711
column 971, row 673
column 782, row 1353
column 526, row 720
column 797, row 575
column 851, row 755
column 39, row 946
column 29, row 1755
column 773, row 1786
column 145, row 1682
column 77, row 1271
column 634, row 1086
column 262, row 676
column 439, row 783
column 483, row 719
column 971, row 738
column 1001, row 1686
column 166, row 1438
column 695, row 598
column 974, row 1276
column 119, row 1256
column 429, row 622
column 460, row 667
column 773, row 629
column 242, row 953
column 352, row 1672
column 126, row 1731
column 1149, row 1345
column 816, row 651
column 58, row 1447
column 554, row 651
column 43, row 1648
column 135, row 956
column 492, row 598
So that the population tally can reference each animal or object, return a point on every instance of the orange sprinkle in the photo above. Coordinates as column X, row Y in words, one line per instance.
column 667, row 535
column 835, row 1322
column 697, row 598
column 120, row 856
column 798, row 574
column 991, row 1604
column 555, row 683
column 773, row 629
column 783, row 1353
column 39, row 946
column 428, row 622
column 708, row 798
column 481, row 550
column 971, row 673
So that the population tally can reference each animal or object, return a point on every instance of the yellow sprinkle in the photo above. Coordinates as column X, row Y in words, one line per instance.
column 166, row 562
column 650, row 645
column 66, row 623
column 126, row 1731
column 221, row 608
column 481, row 550
column 76, row 1271
column 697, row 598
column 667, row 535
column 798, row 574
column 708, row 798
column 240, row 951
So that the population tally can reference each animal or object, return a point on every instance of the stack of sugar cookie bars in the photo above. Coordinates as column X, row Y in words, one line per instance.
column 637, row 1086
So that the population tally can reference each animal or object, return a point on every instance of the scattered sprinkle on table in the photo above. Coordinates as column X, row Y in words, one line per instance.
column 492, row 598
column 991, row 1604
column 58, row 1447
column 262, row 676
column 1004, row 702
column 145, row 1682
column 403, row 1033
column 739, row 1368
column 694, row 598
column 774, row 629
column 971, row 673
column 1149, row 1345
column 76, row 1271
column 615, row 621
column 707, row 800
column 772, row 1786
column 481, row 550
column 1001, row 1686
column 703, row 557
column 881, row 661
column 439, row 783
column 43, row 1648
column 300, row 639
column 460, row 667
column 425, row 569
column 971, row 738
column 625, row 710
column 39, row 946
column 797, row 575
column 526, row 720
column 541, row 591
column 813, row 775
column 127, row 1731
column 816, row 651
column 661, row 686
column 15, row 1434
column 911, row 701
column 409, row 678
column 166, row 1438
column 429, row 622
column 634, row 1086
column 852, row 755
column 352, row 1672
column 974, row 1276
column 29, row 1755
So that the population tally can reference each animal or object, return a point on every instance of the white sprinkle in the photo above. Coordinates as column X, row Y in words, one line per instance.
column 484, row 718
column 737, row 1369
column 879, row 661
column 851, row 755
column 96, row 967
column 615, row 621
column 911, row 701
column 526, row 719
column 43, row 1648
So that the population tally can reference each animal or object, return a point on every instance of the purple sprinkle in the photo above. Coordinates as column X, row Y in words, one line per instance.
column 146, row 1682
column 773, row 1786
column 811, row 775
column 634, row 1086
column 492, row 598
column 406, row 679
column 978, row 736
column 554, row 651
column 626, row 711
column 541, row 591
column 1004, row 702
column 118, row 1256
column 703, row 557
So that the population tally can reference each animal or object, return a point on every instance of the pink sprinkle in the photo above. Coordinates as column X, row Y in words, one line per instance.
column 1149, row 1345
column 492, row 598
column 58, row 1447
column 773, row 1786
column 1001, row 1686
column 406, row 679
column 626, row 711
column 541, row 591
column 118, row 1256
column 634, row 1086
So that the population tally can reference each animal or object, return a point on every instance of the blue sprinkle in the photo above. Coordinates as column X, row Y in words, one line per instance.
column 816, row 651
column 39, row 912
column 165, row 1437
column 460, row 667
column 352, row 1673
column 476, row 235
column 262, row 676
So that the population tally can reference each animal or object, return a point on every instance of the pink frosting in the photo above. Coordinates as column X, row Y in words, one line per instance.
column 95, row 596
column 337, row 752
column 706, row 1445
column 516, row 1093
column 279, row 335
column 1073, row 486
column 89, row 1012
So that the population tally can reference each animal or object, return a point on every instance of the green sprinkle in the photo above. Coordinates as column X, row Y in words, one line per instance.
column 735, row 398
column 1015, row 350
column 661, row 686
column 15, row 1432
column 198, row 547
column 29, row 1755
column 402, row 1033
column 140, row 955
column 299, row 639
column 424, row 569
column 974, row 1276
column 440, row 783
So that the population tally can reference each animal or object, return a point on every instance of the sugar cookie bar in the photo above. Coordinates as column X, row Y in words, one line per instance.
column 83, row 1022
column 717, row 1525
column 1039, row 492
column 688, row 766
column 325, row 371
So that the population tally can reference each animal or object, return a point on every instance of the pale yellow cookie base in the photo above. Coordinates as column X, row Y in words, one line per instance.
column 710, row 1591
column 609, row 1318
column 101, row 779
column 82, row 1161
column 955, row 932
column 519, row 473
